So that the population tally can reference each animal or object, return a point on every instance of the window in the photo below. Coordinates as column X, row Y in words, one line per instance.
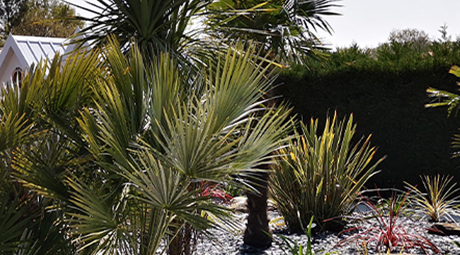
column 17, row 76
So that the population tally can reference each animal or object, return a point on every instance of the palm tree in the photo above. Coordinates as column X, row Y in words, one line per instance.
column 114, row 150
column 283, row 27
column 287, row 28
column 210, row 133
column 285, row 31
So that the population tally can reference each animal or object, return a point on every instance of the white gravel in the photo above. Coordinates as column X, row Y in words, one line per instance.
column 227, row 243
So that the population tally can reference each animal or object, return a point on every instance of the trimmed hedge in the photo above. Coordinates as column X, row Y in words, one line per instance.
column 385, row 89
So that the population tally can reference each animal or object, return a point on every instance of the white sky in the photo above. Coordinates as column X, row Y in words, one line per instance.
column 369, row 22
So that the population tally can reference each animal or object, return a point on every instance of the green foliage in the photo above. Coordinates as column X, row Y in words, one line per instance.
column 27, row 227
column 10, row 13
column 451, row 100
column 446, row 98
column 296, row 249
column 155, row 25
column 287, row 28
column 113, row 147
column 392, row 57
column 385, row 89
column 440, row 200
column 39, row 152
column 49, row 18
column 11, row 223
column 320, row 175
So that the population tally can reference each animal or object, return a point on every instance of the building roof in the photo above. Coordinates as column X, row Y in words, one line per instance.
column 31, row 49
column 36, row 48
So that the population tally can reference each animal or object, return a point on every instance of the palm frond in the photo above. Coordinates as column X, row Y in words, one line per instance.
column 286, row 28
column 100, row 223
column 445, row 98
column 44, row 166
column 13, row 221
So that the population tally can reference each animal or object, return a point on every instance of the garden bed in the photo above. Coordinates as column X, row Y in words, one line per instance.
column 232, row 243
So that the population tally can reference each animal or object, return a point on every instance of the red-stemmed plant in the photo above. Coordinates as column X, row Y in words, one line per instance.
column 389, row 234
column 214, row 190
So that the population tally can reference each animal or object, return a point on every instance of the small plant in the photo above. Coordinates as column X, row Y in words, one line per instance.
column 296, row 249
column 440, row 199
column 396, row 203
column 389, row 233
column 321, row 175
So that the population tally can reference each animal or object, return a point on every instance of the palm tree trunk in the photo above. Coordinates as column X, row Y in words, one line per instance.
column 257, row 233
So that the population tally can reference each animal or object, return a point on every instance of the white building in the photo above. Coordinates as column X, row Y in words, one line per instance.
column 20, row 52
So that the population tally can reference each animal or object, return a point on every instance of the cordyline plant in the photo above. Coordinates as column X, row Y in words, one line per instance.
column 440, row 199
column 389, row 234
column 321, row 175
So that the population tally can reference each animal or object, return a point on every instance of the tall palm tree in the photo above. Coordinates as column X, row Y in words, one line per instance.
column 117, row 145
column 287, row 28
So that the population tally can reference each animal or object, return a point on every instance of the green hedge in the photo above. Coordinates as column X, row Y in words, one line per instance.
column 385, row 89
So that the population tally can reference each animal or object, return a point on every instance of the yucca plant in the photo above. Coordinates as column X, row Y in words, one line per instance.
column 320, row 176
column 155, row 25
column 440, row 200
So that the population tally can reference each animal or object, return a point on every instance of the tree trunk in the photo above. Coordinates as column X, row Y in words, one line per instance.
column 257, row 233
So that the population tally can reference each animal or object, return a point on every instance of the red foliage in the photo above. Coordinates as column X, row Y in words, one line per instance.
column 213, row 190
column 389, row 232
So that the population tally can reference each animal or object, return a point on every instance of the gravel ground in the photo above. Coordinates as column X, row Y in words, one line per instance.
column 227, row 243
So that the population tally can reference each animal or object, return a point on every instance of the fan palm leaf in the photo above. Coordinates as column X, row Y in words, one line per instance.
column 13, row 221
column 99, row 222
column 288, row 28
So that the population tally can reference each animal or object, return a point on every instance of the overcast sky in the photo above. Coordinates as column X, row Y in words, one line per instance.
column 369, row 22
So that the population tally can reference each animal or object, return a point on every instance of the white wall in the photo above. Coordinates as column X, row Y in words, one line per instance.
column 10, row 63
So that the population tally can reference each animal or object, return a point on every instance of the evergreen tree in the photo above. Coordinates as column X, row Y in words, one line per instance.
column 47, row 18
column 10, row 11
